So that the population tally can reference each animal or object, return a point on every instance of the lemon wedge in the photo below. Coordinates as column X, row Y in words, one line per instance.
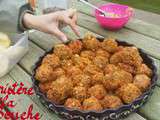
column 5, row 42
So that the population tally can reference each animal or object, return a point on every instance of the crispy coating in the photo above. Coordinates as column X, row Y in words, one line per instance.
column 92, row 104
column 60, row 90
column 127, row 67
column 73, row 103
column 110, row 68
column 111, row 102
column 117, row 79
column 142, row 81
column 74, row 70
column 98, row 91
column 88, row 54
column 129, row 55
column 52, row 60
column 110, row 45
column 58, row 72
column 90, row 42
column 75, row 46
column 97, row 78
column 128, row 93
column 44, row 73
column 82, row 80
column 101, row 52
column 91, row 69
column 79, row 93
column 100, row 61
column 82, row 62
column 66, row 64
column 144, row 69
column 44, row 87
column 63, row 51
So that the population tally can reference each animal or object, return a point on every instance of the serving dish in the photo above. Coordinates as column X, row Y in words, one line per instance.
column 107, row 114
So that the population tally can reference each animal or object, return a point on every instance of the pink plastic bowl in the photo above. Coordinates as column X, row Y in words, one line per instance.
column 114, row 23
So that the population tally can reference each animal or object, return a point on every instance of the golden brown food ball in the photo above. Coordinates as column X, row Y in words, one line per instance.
column 58, row 72
column 101, row 52
column 44, row 87
column 129, row 55
column 91, row 69
column 75, row 46
column 97, row 78
column 52, row 60
column 66, row 64
column 116, row 79
column 63, row 51
column 92, row 104
column 110, row 45
column 98, row 91
column 110, row 68
column 73, row 103
column 100, row 61
column 142, row 81
column 90, row 42
column 44, row 73
column 111, row 102
column 128, row 93
column 60, row 90
column 79, row 93
column 127, row 67
column 82, row 80
column 87, row 54
column 144, row 69
column 80, row 61
column 74, row 70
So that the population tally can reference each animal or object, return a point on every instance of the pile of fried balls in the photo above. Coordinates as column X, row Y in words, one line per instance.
column 93, row 75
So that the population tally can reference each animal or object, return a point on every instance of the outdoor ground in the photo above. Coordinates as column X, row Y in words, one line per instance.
column 148, row 5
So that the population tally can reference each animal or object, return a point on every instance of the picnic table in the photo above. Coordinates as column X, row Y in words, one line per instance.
column 144, row 35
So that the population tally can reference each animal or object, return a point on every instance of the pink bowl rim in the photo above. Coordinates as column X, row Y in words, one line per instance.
column 107, row 4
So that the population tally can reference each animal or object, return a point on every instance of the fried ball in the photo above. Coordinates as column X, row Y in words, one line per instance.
column 127, row 68
column 87, row 54
column 80, row 93
column 58, row 72
column 111, row 102
column 75, row 46
column 82, row 80
column 66, row 64
column 110, row 68
column 73, row 103
column 101, row 52
column 110, row 45
column 90, row 42
column 142, row 81
column 44, row 87
column 100, row 61
column 144, row 69
column 92, row 103
column 128, row 93
column 60, row 90
column 97, row 78
column 129, row 55
column 116, row 79
column 74, row 70
column 63, row 51
column 44, row 73
column 91, row 69
column 52, row 60
column 80, row 61
column 98, row 91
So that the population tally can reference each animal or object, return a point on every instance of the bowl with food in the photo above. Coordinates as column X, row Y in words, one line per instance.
column 116, row 17
column 94, row 79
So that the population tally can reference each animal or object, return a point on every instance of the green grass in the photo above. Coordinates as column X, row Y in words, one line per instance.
column 147, row 5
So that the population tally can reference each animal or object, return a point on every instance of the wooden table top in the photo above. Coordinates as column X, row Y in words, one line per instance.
column 144, row 35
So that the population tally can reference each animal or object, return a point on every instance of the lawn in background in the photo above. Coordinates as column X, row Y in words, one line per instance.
column 148, row 5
